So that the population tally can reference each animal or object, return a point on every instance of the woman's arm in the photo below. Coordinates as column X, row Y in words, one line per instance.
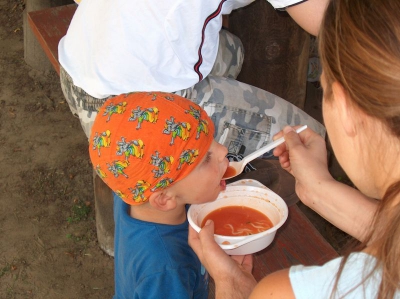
column 343, row 206
column 274, row 286
column 304, row 155
column 308, row 14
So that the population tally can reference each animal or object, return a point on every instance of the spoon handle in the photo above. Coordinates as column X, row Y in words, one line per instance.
column 240, row 243
column 268, row 147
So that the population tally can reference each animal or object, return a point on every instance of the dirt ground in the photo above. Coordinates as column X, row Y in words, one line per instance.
column 48, row 245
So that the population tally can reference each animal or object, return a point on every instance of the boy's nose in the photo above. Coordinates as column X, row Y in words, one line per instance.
column 223, row 151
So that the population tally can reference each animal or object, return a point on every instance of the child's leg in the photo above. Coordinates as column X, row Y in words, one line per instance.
column 230, row 56
column 80, row 103
column 228, row 62
column 247, row 117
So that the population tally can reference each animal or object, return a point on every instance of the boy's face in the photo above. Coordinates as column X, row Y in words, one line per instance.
column 205, row 182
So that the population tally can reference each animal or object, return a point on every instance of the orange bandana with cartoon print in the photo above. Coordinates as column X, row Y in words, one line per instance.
column 145, row 141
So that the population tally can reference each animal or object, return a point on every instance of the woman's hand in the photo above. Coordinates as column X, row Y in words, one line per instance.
column 304, row 155
column 232, row 274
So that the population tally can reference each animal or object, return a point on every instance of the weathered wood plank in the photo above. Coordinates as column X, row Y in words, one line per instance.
column 276, row 51
column 49, row 26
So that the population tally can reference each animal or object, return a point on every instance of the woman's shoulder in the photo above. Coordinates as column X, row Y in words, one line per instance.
column 358, row 278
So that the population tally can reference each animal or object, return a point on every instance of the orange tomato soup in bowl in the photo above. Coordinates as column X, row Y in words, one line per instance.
column 238, row 221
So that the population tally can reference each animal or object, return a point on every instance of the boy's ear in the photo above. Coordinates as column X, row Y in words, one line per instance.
column 162, row 200
column 345, row 110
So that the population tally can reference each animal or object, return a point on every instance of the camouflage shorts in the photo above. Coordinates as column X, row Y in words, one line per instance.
column 228, row 64
column 245, row 117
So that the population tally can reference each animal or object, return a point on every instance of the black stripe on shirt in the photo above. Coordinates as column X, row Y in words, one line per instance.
column 206, row 21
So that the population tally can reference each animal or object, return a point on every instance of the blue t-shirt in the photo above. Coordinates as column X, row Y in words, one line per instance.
column 154, row 260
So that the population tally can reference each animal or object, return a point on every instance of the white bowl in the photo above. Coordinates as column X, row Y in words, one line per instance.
column 252, row 194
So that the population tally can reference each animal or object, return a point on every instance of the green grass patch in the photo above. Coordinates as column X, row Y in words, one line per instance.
column 80, row 211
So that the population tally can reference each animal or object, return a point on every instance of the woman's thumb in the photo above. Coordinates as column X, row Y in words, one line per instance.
column 291, row 137
column 208, row 230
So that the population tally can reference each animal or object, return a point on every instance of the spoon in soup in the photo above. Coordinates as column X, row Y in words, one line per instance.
column 236, row 168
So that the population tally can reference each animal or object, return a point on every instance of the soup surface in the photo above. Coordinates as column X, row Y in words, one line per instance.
column 238, row 221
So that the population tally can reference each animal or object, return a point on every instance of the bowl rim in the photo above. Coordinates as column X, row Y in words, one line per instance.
column 238, row 186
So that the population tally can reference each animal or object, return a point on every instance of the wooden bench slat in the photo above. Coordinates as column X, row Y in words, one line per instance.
column 49, row 26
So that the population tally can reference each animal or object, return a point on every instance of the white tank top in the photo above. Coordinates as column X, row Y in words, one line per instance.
column 120, row 46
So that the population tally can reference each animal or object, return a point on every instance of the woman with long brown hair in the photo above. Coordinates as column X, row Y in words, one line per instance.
column 359, row 43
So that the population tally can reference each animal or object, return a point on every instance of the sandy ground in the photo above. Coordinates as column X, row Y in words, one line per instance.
column 48, row 245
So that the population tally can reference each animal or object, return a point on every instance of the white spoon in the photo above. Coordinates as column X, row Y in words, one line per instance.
column 236, row 168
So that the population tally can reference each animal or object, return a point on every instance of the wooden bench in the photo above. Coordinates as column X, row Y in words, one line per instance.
column 49, row 26
column 297, row 242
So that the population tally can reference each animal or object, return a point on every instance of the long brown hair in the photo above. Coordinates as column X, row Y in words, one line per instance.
column 359, row 45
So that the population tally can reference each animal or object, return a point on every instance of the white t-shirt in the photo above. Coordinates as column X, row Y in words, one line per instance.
column 120, row 46
column 318, row 281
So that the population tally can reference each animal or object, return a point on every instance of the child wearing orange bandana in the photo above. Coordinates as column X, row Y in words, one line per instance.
column 157, row 153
